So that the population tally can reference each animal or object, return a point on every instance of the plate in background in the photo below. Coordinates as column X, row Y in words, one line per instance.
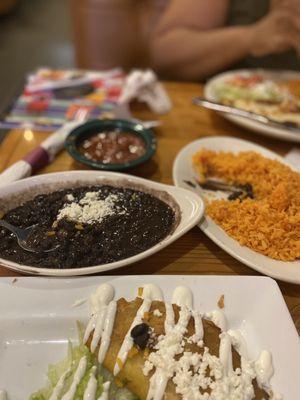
column 255, row 126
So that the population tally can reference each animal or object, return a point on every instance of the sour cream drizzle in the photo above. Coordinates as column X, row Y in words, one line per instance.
column 107, row 330
column 152, row 292
column 239, row 343
column 91, row 388
column 58, row 389
column 104, row 394
column 98, row 328
column 103, row 319
column 199, row 331
column 218, row 318
column 183, row 296
column 128, row 341
column 264, row 369
column 170, row 318
column 263, row 366
column 79, row 374
column 169, row 345
column 103, row 295
column 225, row 353
column 90, row 327
column 3, row 395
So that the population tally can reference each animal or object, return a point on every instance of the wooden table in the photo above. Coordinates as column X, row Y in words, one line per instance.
column 194, row 253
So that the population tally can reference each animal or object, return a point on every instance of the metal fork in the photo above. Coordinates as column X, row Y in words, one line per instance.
column 22, row 235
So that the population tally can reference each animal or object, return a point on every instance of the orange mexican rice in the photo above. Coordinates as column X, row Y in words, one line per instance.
column 269, row 223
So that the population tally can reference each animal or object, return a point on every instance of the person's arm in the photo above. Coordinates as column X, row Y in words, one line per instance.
column 188, row 54
column 190, row 41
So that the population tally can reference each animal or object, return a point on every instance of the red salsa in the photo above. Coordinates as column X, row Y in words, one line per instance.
column 113, row 147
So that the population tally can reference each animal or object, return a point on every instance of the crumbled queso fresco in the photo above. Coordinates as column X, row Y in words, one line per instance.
column 90, row 208
column 157, row 313
column 189, row 372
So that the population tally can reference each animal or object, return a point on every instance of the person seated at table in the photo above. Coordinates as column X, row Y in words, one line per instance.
column 194, row 39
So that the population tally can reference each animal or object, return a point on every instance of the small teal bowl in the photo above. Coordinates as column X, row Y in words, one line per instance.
column 90, row 128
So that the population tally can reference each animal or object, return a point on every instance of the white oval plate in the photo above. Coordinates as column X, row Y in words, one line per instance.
column 255, row 126
column 190, row 204
column 38, row 318
column 183, row 170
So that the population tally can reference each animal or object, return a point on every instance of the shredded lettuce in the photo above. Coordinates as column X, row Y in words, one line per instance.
column 115, row 392
column 71, row 361
column 55, row 371
column 265, row 92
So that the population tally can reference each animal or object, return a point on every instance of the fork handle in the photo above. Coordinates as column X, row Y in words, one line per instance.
column 8, row 226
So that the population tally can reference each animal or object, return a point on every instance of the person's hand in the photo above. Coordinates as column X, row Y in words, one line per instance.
column 277, row 32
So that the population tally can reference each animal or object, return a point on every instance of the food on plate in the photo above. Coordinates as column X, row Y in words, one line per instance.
column 3, row 395
column 89, row 225
column 253, row 87
column 268, row 223
column 159, row 350
column 80, row 377
column 255, row 93
column 293, row 86
column 113, row 147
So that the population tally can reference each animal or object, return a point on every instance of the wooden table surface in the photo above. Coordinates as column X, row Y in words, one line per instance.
column 193, row 253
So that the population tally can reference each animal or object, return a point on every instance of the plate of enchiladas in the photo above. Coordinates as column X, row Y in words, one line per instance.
column 273, row 94
column 146, row 337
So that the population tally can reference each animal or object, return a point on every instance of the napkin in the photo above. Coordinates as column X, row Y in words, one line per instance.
column 41, row 156
column 142, row 85
column 145, row 87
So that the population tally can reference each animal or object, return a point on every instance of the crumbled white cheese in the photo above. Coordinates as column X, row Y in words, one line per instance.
column 152, row 338
column 70, row 197
column 168, row 346
column 193, row 340
column 157, row 313
column 90, row 208
column 189, row 370
column 190, row 374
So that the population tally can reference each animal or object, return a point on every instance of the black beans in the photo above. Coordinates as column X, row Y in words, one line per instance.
column 146, row 221
column 141, row 335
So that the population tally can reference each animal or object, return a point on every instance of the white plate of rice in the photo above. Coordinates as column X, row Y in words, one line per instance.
column 184, row 171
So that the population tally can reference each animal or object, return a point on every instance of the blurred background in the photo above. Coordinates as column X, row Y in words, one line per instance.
column 33, row 33
column 180, row 39
column 65, row 33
